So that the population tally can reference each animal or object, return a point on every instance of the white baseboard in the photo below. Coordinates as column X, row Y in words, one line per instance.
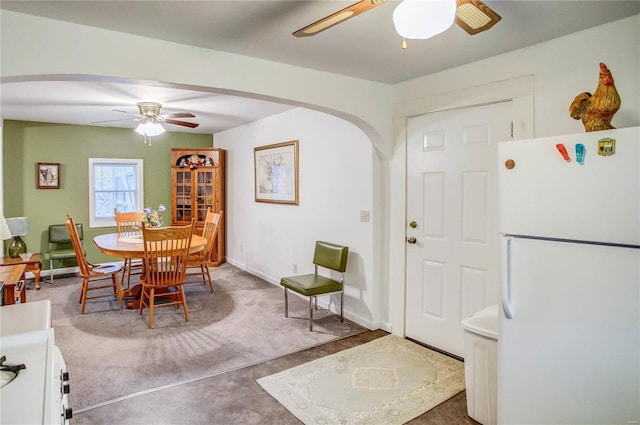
column 322, row 301
column 56, row 272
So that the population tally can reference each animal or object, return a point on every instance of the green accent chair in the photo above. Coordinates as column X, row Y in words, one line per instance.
column 60, row 247
column 328, row 256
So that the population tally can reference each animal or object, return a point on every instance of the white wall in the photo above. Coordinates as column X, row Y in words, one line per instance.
column 335, row 184
column 542, row 79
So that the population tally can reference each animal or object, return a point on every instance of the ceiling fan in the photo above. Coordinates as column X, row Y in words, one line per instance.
column 150, row 120
column 471, row 15
column 150, row 112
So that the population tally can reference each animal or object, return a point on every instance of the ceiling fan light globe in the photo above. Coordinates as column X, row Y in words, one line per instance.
column 149, row 129
column 421, row 19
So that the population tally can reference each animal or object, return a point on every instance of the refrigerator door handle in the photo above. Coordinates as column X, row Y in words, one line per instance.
column 506, row 279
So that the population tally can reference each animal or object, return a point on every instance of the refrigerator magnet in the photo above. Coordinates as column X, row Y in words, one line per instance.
column 606, row 146
column 563, row 152
column 580, row 153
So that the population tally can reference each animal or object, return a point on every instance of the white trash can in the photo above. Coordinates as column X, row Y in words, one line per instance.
column 481, row 364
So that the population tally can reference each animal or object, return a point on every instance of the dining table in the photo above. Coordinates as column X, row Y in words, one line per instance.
column 132, row 247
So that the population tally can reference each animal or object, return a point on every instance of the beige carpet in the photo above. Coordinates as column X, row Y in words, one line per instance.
column 387, row 381
column 111, row 353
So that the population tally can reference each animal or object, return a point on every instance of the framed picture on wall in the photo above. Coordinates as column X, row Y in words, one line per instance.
column 276, row 173
column 47, row 175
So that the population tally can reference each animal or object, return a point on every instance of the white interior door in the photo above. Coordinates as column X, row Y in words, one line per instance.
column 453, row 262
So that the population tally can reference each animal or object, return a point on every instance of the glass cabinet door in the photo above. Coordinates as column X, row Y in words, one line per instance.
column 194, row 194
column 204, row 193
column 183, row 208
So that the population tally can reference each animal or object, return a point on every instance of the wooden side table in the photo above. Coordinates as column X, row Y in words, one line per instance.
column 33, row 264
column 11, row 275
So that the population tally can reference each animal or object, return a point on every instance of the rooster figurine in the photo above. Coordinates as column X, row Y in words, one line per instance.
column 597, row 110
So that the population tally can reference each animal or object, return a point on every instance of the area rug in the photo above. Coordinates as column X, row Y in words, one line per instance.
column 387, row 381
column 111, row 353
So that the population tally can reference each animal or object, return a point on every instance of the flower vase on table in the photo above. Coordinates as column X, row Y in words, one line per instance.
column 153, row 218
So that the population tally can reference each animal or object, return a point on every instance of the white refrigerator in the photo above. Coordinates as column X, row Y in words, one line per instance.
column 569, row 334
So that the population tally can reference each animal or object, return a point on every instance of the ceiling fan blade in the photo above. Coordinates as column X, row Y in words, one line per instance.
column 473, row 16
column 124, row 119
column 182, row 123
column 179, row 115
column 135, row 116
column 149, row 113
column 338, row 17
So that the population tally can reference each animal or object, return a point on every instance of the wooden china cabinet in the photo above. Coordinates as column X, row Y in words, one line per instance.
column 197, row 184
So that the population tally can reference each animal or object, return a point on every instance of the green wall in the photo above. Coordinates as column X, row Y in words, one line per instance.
column 27, row 143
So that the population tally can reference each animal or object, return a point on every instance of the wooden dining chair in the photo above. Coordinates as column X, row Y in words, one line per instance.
column 202, row 259
column 165, row 261
column 90, row 273
column 129, row 224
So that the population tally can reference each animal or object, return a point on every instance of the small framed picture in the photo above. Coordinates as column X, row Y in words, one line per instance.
column 47, row 175
column 276, row 173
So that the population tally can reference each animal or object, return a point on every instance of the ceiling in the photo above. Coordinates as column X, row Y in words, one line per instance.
column 365, row 46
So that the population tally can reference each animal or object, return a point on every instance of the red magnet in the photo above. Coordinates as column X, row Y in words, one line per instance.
column 563, row 152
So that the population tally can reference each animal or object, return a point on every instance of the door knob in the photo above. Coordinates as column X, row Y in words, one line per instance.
column 411, row 240
column 413, row 224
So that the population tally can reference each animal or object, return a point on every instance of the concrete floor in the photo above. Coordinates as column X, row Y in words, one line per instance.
column 234, row 397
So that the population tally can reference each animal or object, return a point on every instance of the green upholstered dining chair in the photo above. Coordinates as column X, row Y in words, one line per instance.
column 60, row 247
column 329, row 256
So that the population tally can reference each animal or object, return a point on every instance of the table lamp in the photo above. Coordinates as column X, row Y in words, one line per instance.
column 19, row 226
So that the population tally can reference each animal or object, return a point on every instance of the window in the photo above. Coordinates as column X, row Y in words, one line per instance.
column 113, row 183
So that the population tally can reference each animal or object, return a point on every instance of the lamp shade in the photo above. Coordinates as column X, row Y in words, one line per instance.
column 19, row 226
column 5, row 232
column 420, row 19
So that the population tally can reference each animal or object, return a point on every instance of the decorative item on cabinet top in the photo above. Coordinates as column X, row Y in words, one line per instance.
column 194, row 161
column 195, row 158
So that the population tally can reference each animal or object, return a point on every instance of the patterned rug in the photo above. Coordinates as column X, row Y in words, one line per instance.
column 387, row 381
